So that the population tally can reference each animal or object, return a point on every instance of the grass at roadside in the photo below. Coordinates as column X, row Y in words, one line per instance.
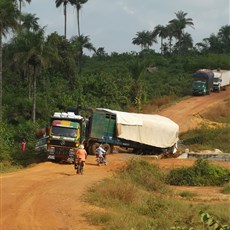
column 137, row 197
column 19, row 161
column 205, row 137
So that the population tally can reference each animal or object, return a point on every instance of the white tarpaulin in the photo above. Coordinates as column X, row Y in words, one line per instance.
column 154, row 130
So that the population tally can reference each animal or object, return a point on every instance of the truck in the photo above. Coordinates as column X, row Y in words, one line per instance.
column 143, row 133
column 202, row 82
column 221, row 79
column 65, row 133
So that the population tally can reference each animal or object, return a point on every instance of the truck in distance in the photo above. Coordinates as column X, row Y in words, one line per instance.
column 202, row 82
column 221, row 79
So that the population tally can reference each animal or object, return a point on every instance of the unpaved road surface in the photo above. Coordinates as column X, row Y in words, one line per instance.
column 187, row 113
column 49, row 196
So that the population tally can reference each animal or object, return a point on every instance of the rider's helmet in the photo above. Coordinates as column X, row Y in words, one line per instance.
column 81, row 146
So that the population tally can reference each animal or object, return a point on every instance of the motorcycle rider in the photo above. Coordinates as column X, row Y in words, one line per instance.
column 101, row 153
column 80, row 157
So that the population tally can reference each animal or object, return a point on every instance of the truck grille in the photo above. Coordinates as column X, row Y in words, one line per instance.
column 63, row 143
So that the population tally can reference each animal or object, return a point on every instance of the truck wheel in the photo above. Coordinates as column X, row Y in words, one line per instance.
column 107, row 148
column 94, row 147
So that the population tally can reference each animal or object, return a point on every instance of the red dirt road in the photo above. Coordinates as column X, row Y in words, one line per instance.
column 187, row 112
column 49, row 196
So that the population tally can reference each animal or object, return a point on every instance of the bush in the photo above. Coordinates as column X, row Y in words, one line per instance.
column 144, row 174
column 201, row 174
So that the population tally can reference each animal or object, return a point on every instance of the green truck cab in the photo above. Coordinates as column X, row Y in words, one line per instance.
column 202, row 82
column 199, row 88
column 65, row 134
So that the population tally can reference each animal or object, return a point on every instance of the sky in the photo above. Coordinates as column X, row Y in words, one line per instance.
column 113, row 24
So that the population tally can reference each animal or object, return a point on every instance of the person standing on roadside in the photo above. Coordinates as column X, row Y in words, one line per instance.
column 23, row 145
column 80, row 158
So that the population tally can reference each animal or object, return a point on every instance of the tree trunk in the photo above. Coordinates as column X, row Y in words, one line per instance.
column 34, row 95
column 78, row 22
column 1, row 112
column 65, row 20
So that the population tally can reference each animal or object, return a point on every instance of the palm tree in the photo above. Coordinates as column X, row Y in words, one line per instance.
column 29, row 22
column 78, row 4
column 170, row 34
column 81, row 42
column 186, row 42
column 33, row 54
column 179, row 24
column 161, row 31
column 145, row 39
column 22, row 2
column 8, row 20
column 59, row 3
column 224, row 37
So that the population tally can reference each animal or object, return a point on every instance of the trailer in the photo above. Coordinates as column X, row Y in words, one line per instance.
column 143, row 133
column 221, row 79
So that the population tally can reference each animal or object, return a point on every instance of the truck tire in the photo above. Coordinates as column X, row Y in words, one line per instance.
column 93, row 148
column 107, row 148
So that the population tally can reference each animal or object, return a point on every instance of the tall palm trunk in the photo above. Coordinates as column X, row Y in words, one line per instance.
column 78, row 22
column 1, row 71
column 20, row 10
column 65, row 20
column 34, row 95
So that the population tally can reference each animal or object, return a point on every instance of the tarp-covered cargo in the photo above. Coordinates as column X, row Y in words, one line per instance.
column 153, row 130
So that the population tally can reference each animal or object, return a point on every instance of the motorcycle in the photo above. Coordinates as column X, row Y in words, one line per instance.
column 101, row 160
column 79, row 166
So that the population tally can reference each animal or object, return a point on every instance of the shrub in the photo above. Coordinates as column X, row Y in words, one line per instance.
column 201, row 174
column 144, row 174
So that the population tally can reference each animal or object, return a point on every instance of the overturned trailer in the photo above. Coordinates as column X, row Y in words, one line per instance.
column 144, row 133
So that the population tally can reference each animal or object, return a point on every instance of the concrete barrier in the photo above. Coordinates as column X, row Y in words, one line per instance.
column 210, row 156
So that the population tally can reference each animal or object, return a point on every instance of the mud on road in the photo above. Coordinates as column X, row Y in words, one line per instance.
column 49, row 196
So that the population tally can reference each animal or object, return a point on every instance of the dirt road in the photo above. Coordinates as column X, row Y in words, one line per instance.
column 49, row 196
column 187, row 113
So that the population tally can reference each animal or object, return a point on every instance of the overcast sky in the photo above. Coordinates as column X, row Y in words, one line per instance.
column 113, row 24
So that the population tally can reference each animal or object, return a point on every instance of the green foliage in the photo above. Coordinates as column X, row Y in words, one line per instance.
column 187, row 194
column 201, row 174
column 6, row 141
column 212, row 223
column 226, row 189
column 144, row 174
column 128, row 200
column 208, row 138
column 66, row 77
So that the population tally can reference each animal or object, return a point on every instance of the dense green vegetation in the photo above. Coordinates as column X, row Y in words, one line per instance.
column 201, row 174
column 41, row 74
column 145, row 201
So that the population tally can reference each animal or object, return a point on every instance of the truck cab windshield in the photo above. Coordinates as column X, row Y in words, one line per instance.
column 64, row 131
column 216, row 80
column 198, row 84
